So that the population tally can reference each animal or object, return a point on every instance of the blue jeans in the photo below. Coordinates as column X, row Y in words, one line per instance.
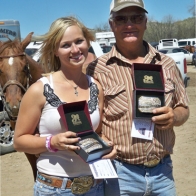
column 41, row 189
column 139, row 180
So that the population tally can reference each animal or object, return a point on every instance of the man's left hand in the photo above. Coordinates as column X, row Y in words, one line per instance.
column 165, row 118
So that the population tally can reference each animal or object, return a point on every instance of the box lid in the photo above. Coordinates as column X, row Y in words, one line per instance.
column 75, row 116
column 147, row 77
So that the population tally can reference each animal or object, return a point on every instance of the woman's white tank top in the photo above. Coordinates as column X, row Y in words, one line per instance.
column 63, row 163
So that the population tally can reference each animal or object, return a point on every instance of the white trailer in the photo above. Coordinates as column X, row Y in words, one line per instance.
column 184, row 42
column 9, row 29
column 167, row 43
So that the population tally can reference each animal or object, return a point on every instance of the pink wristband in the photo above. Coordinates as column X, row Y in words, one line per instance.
column 49, row 148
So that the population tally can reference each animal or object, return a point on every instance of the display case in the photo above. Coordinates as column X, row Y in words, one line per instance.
column 75, row 117
column 148, row 92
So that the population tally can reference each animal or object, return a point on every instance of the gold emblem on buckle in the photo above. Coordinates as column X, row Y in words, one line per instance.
column 152, row 163
column 76, row 119
column 81, row 185
column 148, row 79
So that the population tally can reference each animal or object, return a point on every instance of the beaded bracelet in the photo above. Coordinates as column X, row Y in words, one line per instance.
column 48, row 146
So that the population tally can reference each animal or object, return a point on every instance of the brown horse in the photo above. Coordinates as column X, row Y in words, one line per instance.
column 17, row 72
column 190, row 48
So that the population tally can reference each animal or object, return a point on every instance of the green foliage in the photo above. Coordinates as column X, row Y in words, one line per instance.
column 169, row 28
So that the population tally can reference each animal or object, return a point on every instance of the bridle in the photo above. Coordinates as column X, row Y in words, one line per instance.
column 13, row 82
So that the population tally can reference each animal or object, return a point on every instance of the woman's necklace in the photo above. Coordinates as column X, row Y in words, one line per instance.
column 75, row 87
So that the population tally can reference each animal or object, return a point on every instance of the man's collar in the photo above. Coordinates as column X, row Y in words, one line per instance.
column 151, row 54
column 114, row 53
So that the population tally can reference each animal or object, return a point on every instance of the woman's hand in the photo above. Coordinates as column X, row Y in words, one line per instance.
column 65, row 141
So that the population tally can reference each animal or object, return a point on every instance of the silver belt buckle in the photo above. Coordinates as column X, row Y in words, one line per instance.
column 152, row 163
column 90, row 144
column 146, row 104
column 82, row 184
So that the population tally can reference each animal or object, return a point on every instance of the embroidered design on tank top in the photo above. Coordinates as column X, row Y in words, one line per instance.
column 54, row 100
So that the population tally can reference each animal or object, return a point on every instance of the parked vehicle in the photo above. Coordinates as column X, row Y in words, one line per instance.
column 188, row 55
column 33, row 50
column 106, row 48
column 182, row 43
column 180, row 60
column 167, row 43
column 105, row 38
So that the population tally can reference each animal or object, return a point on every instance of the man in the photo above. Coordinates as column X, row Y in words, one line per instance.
column 144, row 167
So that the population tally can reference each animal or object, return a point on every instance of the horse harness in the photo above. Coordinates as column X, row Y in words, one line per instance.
column 14, row 82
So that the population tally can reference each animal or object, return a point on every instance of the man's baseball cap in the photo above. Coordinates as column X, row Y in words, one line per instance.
column 117, row 5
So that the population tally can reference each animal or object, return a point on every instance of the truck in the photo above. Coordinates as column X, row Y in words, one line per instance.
column 9, row 29
column 105, row 38
column 181, row 63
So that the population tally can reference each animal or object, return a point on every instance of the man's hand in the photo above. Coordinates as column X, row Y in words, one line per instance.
column 112, row 154
column 167, row 118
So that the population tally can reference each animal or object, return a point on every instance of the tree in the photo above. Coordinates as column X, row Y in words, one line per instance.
column 104, row 27
column 192, row 8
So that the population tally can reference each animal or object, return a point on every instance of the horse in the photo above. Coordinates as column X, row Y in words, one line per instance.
column 17, row 72
column 190, row 48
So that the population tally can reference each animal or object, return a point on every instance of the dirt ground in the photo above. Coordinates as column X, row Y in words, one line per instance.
column 17, row 177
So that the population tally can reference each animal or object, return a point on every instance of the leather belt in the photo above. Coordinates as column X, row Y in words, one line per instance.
column 79, row 185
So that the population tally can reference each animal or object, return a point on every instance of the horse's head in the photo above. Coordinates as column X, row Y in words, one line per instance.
column 14, row 74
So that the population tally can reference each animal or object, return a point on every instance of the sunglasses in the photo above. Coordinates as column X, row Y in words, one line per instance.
column 121, row 20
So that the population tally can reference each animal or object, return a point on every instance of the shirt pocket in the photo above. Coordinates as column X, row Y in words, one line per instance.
column 116, row 103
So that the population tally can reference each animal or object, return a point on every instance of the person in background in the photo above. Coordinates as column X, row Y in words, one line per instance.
column 144, row 167
column 60, row 170
column 90, row 57
column 195, row 47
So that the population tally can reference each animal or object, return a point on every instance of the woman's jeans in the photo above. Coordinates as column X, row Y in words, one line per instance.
column 139, row 180
column 41, row 189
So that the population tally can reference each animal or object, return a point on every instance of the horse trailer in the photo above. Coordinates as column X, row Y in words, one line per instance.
column 9, row 29
column 182, row 43
column 167, row 43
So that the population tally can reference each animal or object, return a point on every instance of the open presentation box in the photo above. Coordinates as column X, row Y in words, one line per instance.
column 148, row 91
column 75, row 117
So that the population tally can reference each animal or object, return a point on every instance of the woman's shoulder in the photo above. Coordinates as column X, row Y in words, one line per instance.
column 36, row 88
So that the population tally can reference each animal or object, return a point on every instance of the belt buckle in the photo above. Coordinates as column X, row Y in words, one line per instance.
column 152, row 163
column 81, row 185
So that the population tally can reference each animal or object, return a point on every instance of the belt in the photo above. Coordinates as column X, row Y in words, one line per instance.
column 79, row 185
column 154, row 162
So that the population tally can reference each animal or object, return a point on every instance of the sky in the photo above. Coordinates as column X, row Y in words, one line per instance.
column 37, row 15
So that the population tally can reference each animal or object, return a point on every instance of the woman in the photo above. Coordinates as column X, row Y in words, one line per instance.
column 60, row 170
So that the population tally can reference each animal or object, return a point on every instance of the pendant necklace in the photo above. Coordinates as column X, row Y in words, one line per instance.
column 75, row 87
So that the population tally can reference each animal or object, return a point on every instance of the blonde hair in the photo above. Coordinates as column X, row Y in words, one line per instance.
column 52, row 38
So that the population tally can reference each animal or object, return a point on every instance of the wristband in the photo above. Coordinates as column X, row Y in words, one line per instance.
column 49, row 148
